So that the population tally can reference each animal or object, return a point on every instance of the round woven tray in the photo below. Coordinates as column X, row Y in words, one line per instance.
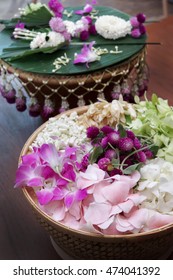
column 155, row 244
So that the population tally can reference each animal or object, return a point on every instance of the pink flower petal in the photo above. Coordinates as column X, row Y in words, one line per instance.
column 97, row 213
column 157, row 220
column 91, row 176
column 116, row 192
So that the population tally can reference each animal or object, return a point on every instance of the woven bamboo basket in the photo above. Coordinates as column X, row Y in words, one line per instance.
column 154, row 244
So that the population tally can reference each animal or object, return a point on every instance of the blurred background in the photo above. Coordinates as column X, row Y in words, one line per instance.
column 153, row 9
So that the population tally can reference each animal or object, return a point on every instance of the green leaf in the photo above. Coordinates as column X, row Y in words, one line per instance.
column 130, row 169
column 97, row 151
column 43, row 63
column 154, row 99
column 122, row 131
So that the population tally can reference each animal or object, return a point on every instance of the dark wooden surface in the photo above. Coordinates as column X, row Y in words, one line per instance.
column 21, row 237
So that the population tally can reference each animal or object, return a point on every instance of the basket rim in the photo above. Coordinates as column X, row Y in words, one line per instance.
column 63, row 227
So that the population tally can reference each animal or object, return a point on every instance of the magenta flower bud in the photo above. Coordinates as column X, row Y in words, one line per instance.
column 115, row 171
column 148, row 154
column 104, row 142
column 110, row 153
column 135, row 33
column 21, row 103
column 134, row 22
column 130, row 134
column 125, row 144
column 107, row 129
column 92, row 132
column 103, row 163
column 10, row 96
column 89, row 19
column 113, row 138
column 142, row 29
column 141, row 18
column 84, row 35
column 137, row 143
column 141, row 156
column 92, row 29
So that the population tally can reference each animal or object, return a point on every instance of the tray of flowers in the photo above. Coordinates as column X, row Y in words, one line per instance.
column 99, row 179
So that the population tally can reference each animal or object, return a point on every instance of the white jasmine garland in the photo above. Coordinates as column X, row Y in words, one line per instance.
column 44, row 40
column 70, row 27
column 112, row 27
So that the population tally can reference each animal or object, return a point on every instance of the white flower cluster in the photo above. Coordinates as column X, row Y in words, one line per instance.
column 112, row 27
column 62, row 132
column 156, row 184
column 44, row 40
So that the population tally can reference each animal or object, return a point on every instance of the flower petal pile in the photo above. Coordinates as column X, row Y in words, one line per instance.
column 112, row 180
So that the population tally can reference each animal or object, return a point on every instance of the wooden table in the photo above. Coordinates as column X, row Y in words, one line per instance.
column 21, row 237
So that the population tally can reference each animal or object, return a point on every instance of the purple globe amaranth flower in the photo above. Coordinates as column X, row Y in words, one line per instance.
column 149, row 154
column 137, row 144
column 92, row 132
column 84, row 35
column 125, row 144
column 115, row 171
column 57, row 7
column 130, row 134
column 141, row 17
column 57, row 24
column 103, row 163
column 134, row 22
column 21, row 103
column 113, row 138
column 110, row 154
column 92, row 29
column 106, row 129
column 142, row 29
column 104, row 142
column 129, row 98
column 141, row 156
column 135, row 33
column 10, row 96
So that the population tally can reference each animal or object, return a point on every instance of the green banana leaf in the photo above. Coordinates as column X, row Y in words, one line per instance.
column 15, row 52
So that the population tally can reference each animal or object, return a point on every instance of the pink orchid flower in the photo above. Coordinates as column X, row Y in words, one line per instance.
column 86, row 10
column 28, row 176
column 87, row 55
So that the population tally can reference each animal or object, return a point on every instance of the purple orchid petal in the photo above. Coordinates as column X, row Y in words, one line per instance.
column 87, row 55
column 25, row 174
column 35, row 182
column 31, row 159
column 86, row 10
column 81, row 194
column 59, row 193
column 44, row 196
column 68, row 172
column 49, row 155
column 70, row 152
column 69, row 199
